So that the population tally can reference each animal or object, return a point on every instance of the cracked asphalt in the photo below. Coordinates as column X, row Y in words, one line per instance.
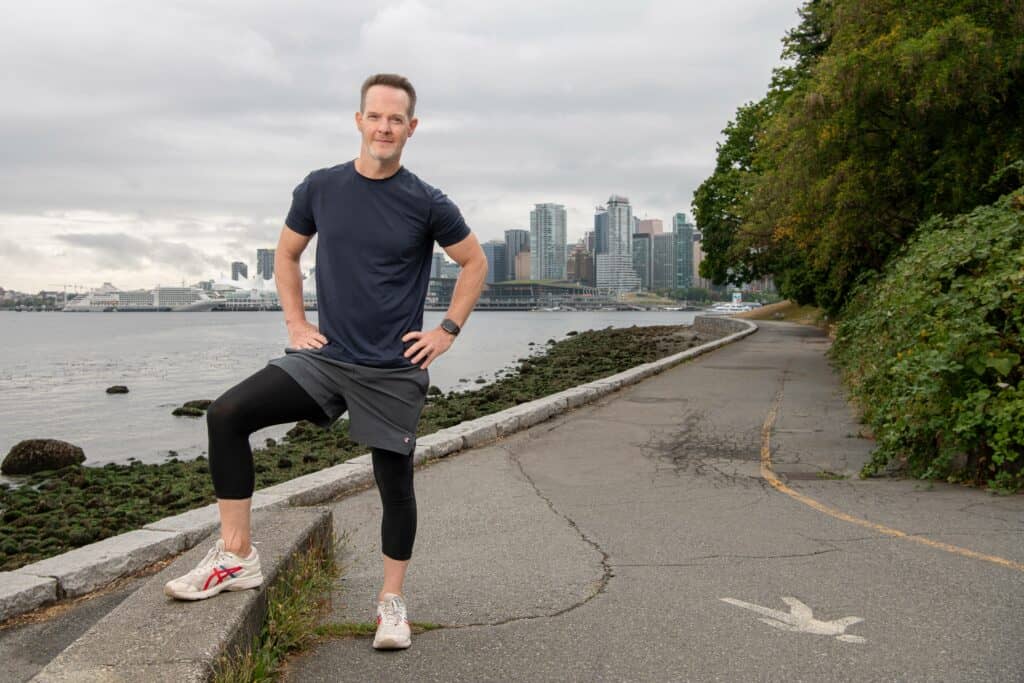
column 600, row 545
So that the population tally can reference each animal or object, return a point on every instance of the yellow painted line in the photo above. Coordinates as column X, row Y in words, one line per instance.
column 769, row 475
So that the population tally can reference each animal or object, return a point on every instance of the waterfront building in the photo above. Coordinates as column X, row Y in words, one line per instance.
column 580, row 267
column 265, row 263
column 600, row 230
column 547, row 242
column 547, row 295
column 615, row 265
column 516, row 242
column 523, row 263
column 642, row 259
column 436, row 263
column 686, row 237
column 698, row 256
column 239, row 270
column 650, row 226
column 590, row 241
column 663, row 260
column 497, row 266
column 450, row 270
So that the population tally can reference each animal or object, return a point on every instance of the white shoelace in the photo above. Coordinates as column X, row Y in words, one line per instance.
column 213, row 558
column 392, row 612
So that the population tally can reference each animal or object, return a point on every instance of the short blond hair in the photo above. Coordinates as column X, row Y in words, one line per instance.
column 392, row 80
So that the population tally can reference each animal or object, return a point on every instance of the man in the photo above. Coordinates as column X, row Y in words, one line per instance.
column 377, row 224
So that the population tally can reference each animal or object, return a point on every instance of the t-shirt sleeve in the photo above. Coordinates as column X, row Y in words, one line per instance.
column 300, row 215
column 446, row 223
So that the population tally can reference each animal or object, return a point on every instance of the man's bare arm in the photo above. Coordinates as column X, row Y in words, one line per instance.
column 470, row 256
column 432, row 343
column 288, row 277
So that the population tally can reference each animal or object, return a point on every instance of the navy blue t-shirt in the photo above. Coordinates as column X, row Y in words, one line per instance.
column 373, row 254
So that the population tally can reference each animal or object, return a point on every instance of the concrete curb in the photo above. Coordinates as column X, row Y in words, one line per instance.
column 152, row 637
column 85, row 569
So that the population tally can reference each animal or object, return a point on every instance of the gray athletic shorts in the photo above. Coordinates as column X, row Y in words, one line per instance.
column 383, row 404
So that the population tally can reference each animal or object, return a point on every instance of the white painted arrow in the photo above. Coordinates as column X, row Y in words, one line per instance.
column 801, row 620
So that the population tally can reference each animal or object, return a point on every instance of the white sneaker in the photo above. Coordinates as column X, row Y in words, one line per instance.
column 393, row 632
column 218, row 571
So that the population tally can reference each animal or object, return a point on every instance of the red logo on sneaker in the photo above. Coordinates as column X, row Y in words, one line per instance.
column 221, row 573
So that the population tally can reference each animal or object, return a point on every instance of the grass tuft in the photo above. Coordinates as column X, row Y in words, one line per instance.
column 296, row 604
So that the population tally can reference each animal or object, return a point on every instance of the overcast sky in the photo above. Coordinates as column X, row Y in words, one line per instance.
column 149, row 142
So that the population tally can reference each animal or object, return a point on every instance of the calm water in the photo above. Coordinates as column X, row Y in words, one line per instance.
column 55, row 367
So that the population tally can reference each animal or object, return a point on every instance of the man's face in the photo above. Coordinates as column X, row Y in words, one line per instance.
column 384, row 123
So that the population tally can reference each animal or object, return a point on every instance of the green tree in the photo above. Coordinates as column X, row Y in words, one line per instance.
column 889, row 111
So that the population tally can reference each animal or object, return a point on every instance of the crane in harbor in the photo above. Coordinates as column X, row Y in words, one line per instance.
column 74, row 288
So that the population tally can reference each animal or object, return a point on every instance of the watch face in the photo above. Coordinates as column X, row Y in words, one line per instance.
column 449, row 326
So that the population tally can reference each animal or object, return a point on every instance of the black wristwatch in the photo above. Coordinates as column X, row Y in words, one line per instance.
column 451, row 327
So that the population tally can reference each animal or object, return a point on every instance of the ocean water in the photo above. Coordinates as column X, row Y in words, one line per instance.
column 55, row 368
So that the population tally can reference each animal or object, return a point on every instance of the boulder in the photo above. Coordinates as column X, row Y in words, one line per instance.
column 36, row 455
column 182, row 411
column 199, row 404
column 117, row 389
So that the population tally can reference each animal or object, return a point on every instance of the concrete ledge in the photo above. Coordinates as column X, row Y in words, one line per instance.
column 317, row 487
column 155, row 638
column 198, row 523
column 21, row 593
column 85, row 569
column 479, row 431
column 443, row 442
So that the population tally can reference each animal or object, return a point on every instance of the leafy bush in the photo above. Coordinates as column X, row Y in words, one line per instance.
column 932, row 348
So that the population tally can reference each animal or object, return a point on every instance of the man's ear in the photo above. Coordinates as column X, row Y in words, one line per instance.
column 412, row 125
column 359, row 120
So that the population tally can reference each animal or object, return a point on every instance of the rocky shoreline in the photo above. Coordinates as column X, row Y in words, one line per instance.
column 52, row 512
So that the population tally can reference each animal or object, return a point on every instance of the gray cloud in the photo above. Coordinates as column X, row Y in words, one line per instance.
column 199, row 118
column 121, row 251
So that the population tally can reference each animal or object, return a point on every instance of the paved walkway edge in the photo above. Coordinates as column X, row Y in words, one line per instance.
column 155, row 638
column 93, row 566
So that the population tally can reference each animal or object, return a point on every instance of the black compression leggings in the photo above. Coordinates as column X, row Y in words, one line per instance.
column 272, row 397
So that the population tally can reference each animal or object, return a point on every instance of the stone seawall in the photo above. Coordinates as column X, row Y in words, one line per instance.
column 715, row 324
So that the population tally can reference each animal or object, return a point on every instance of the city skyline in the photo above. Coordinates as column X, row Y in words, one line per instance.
column 162, row 143
column 263, row 262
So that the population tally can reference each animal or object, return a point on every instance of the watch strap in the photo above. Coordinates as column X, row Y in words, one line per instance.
column 451, row 327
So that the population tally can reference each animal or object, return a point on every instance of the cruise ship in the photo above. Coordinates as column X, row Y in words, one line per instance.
column 110, row 298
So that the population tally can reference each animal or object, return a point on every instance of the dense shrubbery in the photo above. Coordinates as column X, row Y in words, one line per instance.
column 932, row 349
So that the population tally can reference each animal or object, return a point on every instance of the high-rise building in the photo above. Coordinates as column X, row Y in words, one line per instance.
column 523, row 262
column 590, row 241
column 265, row 263
column 436, row 264
column 615, row 266
column 516, row 242
column 580, row 267
column 497, row 267
column 650, row 226
column 642, row 263
column 663, row 259
column 600, row 230
column 239, row 269
column 684, row 259
column 547, row 242
column 698, row 256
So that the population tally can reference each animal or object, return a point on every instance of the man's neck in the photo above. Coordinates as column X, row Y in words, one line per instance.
column 368, row 167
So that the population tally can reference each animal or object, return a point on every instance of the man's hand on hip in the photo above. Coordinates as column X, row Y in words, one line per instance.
column 429, row 345
column 303, row 334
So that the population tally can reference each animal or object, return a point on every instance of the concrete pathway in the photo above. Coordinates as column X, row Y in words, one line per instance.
column 636, row 539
